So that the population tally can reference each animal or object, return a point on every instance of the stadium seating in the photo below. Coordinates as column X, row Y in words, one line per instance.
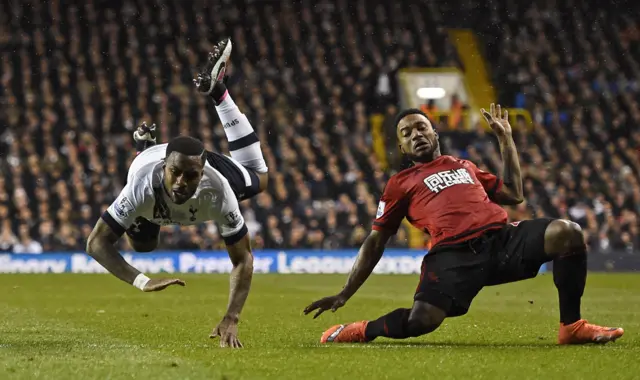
column 80, row 78
column 574, row 66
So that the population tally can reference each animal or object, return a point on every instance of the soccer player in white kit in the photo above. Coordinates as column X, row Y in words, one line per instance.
column 181, row 183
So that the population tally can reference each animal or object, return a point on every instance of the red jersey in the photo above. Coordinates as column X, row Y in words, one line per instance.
column 448, row 198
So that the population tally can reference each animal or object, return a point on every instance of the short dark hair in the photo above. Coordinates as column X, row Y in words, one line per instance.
column 411, row 111
column 186, row 145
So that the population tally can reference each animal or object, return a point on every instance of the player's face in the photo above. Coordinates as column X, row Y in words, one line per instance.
column 182, row 175
column 417, row 138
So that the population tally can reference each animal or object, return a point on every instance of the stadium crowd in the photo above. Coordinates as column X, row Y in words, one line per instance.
column 78, row 80
column 574, row 65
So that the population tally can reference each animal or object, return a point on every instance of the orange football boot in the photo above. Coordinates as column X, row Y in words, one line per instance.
column 349, row 333
column 582, row 332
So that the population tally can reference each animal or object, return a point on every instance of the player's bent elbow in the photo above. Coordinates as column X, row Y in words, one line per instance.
column 93, row 245
column 89, row 247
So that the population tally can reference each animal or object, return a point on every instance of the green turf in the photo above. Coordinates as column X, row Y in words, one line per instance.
column 93, row 326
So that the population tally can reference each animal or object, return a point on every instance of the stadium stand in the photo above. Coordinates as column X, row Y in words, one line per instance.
column 575, row 67
column 80, row 78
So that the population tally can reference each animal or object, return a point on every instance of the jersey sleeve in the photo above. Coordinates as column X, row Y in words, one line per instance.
column 489, row 182
column 130, row 204
column 392, row 208
column 229, row 219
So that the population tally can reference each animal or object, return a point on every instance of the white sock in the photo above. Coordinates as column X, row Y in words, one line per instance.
column 244, row 145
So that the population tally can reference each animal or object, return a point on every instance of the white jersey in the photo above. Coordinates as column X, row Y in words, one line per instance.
column 144, row 196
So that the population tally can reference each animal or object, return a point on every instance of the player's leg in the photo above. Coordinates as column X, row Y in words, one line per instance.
column 422, row 318
column 564, row 245
column 449, row 281
column 401, row 323
column 244, row 145
column 244, row 182
column 143, row 236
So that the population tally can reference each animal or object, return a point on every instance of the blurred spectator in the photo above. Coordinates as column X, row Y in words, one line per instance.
column 26, row 244
column 7, row 239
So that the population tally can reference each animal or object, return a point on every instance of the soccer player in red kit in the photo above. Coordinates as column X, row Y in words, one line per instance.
column 473, row 244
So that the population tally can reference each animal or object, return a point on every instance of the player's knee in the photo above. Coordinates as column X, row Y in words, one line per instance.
column 424, row 318
column 563, row 237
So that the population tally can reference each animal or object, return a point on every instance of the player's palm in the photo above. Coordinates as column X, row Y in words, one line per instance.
column 227, row 330
column 158, row 284
column 498, row 120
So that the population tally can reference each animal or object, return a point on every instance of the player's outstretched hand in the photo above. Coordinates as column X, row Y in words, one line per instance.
column 498, row 121
column 326, row 303
column 227, row 330
column 158, row 284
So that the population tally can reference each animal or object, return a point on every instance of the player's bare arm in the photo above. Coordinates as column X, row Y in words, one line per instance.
column 101, row 246
column 240, row 284
column 511, row 192
column 368, row 257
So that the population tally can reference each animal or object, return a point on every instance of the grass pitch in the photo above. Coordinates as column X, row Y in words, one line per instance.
column 95, row 327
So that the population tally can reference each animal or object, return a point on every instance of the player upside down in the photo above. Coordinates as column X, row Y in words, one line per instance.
column 473, row 245
column 180, row 183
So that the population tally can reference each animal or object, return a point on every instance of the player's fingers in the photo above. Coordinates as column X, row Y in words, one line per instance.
column 178, row 281
column 492, row 109
column 486, row 115
column 239, row 343
column 310, row 308
column 499, row 111
column 506, row 115
column 225, row 341
column 320, row 311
